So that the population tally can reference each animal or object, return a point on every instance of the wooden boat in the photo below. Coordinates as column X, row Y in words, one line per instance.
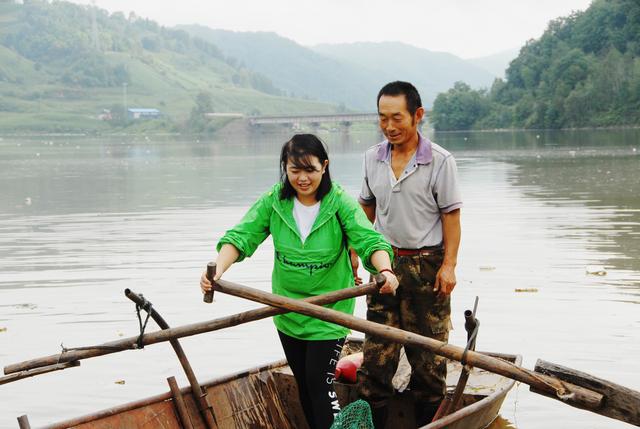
column 267, row 397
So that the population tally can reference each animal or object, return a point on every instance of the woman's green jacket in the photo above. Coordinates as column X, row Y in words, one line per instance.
column 319, row 265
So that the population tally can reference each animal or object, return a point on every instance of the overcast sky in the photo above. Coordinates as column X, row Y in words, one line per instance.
column 467, row 28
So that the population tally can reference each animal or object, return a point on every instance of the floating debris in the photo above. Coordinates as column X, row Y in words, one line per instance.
column 596, row 270
column 28, row 306
column 119, row 382
column 3, row 329
column 526, row 289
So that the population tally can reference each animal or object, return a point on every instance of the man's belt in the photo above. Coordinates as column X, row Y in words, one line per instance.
column 427, row 250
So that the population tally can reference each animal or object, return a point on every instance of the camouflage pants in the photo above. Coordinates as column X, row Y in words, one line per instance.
column 415, row 308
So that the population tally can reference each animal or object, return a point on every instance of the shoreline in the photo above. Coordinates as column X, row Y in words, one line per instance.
column 511, row 130
column 93, row 134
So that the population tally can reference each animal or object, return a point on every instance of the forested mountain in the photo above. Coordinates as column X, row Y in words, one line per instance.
column 61, row 64
column 348, row 74
column 583, row 71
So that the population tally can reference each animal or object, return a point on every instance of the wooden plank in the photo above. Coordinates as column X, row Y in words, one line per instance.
column 178, row 401
column 620, row 402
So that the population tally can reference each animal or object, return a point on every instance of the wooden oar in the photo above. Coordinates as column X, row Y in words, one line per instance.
column 450, row 405
column 180, row 331
column 623, row 405
column 37, row 371
column 198, row 393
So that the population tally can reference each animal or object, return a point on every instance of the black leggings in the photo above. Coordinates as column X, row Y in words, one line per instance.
column 313, row 364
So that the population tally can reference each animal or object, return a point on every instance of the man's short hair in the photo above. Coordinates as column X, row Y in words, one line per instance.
column 402, row 88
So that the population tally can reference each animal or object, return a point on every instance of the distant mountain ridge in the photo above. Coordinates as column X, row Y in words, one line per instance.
column 295, row 69
column 497, row 63
column 347, row 74
column 431, row 72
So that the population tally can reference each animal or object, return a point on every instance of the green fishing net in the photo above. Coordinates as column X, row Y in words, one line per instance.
column 356, row 415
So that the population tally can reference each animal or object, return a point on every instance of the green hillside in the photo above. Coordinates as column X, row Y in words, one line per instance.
column 584, row 71
column 58, row 74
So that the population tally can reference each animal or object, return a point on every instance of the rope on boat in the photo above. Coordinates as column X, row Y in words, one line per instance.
column 148, row 307
column 139, row 344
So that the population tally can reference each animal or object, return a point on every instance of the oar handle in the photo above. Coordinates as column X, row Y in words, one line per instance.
column 380, row 280
column 211, row 273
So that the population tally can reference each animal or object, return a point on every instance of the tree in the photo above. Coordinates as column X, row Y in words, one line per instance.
column 459, row 108
column 584, row 70
column 198, row 121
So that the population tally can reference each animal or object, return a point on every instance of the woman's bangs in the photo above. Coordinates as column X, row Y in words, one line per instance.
column 302, row 161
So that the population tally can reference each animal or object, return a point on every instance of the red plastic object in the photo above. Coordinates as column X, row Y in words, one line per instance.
column 347, row 368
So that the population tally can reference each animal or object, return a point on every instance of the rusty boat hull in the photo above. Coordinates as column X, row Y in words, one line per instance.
column 267, row 397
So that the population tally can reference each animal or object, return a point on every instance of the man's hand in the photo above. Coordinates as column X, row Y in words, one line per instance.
column 355, row 264
column 445, row 280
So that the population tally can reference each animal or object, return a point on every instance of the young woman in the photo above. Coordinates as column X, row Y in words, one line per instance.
column 313, row 222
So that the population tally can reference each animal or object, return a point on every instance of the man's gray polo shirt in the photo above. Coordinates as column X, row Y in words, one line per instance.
column 408, row 209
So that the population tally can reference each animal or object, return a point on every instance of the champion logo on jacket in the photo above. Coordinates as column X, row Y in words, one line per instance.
column 306, row 265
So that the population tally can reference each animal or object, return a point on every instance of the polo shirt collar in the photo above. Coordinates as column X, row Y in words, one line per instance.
column 423, row 155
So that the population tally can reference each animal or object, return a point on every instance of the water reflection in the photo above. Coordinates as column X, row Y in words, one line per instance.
column 606, row 182
column 80, row 220
column 540, row 139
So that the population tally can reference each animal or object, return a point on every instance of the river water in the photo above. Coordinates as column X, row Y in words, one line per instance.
column 83, row 219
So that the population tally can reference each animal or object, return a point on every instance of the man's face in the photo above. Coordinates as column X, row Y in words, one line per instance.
column 396, row 123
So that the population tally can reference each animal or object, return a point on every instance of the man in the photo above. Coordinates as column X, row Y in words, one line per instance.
column 410, row 191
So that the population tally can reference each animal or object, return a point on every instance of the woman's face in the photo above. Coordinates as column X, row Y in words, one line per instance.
column 306, row 180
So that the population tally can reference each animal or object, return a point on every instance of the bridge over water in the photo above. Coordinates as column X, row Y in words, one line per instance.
column 342, row 119
column 337, row 118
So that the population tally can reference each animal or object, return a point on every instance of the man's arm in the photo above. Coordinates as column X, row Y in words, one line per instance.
column 446, row 277
column 369, row 210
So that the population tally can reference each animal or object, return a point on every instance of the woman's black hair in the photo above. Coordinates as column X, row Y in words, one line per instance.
column 299, row 151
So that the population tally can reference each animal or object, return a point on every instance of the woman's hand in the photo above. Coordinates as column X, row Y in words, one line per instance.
column 355, row 264
column 227, row 256
column 391, row 285
column 205, row 284
column 381, row 261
